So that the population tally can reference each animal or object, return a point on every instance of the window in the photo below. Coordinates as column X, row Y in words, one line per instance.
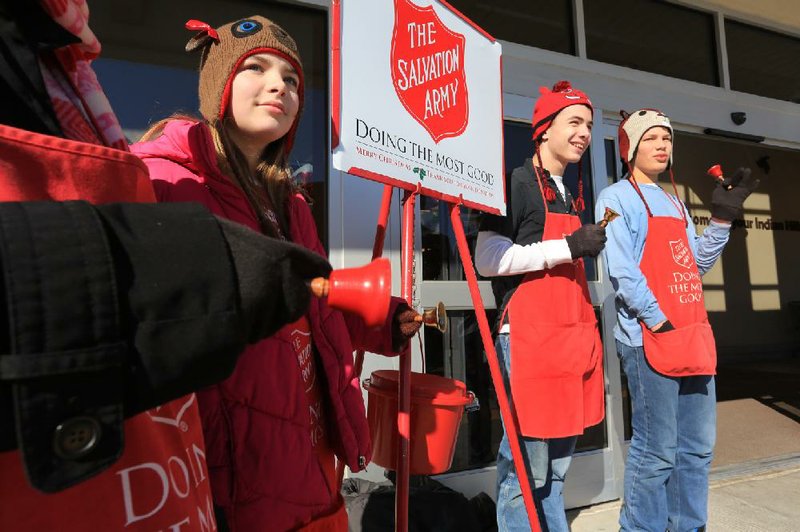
column 763, row 62
column 148, row 79
column 544, row 24
column 653, row 36
column 440, row 258
column 611, row 161
column 596, row 436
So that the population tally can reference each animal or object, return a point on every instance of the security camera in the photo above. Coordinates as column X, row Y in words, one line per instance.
column 739, row 118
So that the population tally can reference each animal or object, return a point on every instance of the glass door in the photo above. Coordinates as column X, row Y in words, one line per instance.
column 597, row 468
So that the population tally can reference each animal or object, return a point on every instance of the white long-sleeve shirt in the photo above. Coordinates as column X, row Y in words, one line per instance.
column 511, row 246
column 497, row 255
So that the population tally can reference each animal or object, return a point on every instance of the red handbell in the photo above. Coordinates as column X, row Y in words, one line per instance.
column 365, row 291
column 715, row 172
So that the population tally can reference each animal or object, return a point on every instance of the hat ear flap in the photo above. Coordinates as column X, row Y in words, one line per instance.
column 624, row 146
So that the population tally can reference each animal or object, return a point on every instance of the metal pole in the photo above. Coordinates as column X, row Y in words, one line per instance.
column 506, row 408
column 403, row 468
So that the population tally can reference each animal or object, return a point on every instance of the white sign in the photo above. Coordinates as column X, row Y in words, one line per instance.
column 417, row 100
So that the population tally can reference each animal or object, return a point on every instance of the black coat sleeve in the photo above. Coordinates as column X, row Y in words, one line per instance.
column 111, row 310
column 178, row 299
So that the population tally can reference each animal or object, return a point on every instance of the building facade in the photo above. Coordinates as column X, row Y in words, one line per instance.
column 725, row 72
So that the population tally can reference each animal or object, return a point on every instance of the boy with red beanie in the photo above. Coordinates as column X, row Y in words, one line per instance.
column 547, row 342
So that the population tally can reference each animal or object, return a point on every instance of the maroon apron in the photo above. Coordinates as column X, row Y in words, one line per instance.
column 670, row 269
column 556, row 355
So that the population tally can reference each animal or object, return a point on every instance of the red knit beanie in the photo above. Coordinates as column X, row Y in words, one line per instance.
column 549, row 104
column 552, row 102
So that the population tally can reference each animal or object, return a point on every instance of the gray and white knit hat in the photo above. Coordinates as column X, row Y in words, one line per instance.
column 635, row 125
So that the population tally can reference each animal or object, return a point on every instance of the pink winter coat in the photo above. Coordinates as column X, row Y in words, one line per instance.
column 264, row 471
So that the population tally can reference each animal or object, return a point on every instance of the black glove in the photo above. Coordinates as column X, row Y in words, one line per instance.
column 728, row 204
column 588, row 241
column 666, row 326
column 272, row 277
column 404, row 325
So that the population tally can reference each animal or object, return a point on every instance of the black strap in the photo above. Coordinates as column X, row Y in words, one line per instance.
column 26, row 33
column 67, row 354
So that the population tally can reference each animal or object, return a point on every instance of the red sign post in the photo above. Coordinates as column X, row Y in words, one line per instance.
column 403, row 76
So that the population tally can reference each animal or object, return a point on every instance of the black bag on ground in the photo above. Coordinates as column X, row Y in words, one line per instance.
column 431, row 507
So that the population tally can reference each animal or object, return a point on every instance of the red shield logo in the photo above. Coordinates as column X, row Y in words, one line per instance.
column 427, row 64
column 681, row 254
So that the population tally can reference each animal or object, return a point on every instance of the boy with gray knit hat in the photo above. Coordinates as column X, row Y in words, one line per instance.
column 663, row 337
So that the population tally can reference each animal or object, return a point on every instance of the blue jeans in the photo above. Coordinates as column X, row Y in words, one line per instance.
column 674, row 430
column 546, row 462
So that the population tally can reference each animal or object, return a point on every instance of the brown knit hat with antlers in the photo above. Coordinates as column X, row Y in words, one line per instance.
column 225, row 48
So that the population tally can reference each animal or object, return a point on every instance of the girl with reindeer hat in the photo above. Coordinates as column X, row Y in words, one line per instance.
column 276, row 427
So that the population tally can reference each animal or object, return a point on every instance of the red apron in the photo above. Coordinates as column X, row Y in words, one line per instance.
column 40, row 167
column 556, row 355
column 161, row 480
column 671, row 272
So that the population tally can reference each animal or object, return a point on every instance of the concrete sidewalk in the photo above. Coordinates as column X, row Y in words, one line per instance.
column 761, row 497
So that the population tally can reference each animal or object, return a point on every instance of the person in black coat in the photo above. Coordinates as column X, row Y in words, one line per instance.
column 108, row 311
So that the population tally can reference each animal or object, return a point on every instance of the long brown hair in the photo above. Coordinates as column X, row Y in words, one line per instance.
column 267, row 190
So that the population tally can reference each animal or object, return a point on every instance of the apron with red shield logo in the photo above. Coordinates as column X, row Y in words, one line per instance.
column 160, row 482
column 556, row 355
column 670, row 269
